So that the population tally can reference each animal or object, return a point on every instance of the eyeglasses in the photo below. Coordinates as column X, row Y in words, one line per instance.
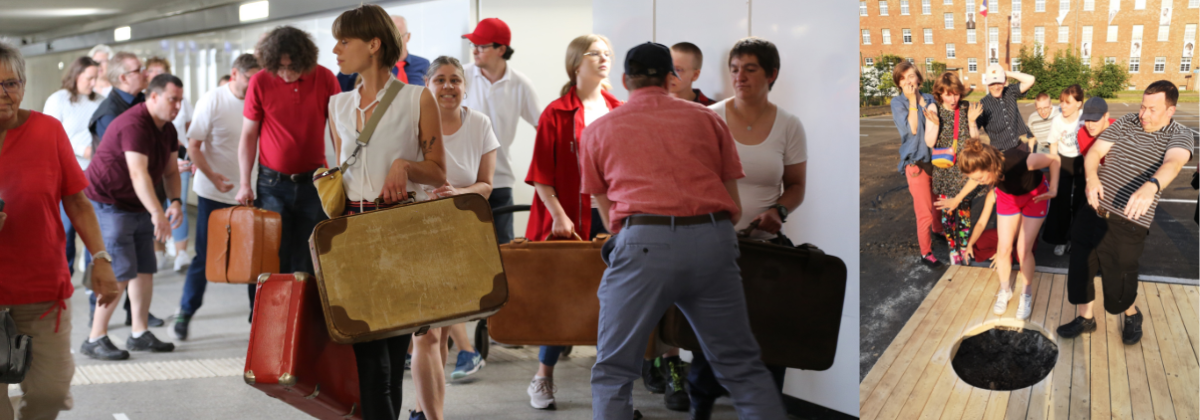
column 12, row 87
column 482, row 47
column 606, row 54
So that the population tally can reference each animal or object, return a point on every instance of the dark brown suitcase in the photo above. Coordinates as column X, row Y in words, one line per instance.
column 551, row 293
column 794, row 297
column 409, row 268
column 243, row 242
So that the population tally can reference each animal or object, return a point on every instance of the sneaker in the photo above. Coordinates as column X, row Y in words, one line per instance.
column 467, row 364
column 675, row 397
column 416, row 415
column 148, row 342
column 652, row 376
column 1002, row 299
column 151, row 320
column 1024, row 306
column 541, row 393
column 931, row 261
column 1133, row 328
column 181, row 326
column 701, row 409
column 182, row 262
column 160, row 257
column 1077, row 326
column 408, row 362
column 103, row 349
column 1060, row 250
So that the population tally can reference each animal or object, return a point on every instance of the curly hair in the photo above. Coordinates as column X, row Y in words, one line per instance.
column 946, row 83
column 286, row 40
column 71, row 77
column 368, row 22
column 976, row 156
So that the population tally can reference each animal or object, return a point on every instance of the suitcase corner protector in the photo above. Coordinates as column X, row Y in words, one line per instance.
column 263, row 277
column 249, row 377
column 287, row 380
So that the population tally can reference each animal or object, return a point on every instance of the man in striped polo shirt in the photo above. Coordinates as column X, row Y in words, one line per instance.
column 1142, row 153
column 1001, row 119
column 1039, row 121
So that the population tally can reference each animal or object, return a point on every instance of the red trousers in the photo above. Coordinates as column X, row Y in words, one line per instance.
column 921, row 188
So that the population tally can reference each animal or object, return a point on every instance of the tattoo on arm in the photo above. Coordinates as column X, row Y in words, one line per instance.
column 427, row 145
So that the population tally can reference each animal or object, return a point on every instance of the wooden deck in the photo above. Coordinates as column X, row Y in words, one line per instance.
column 1096, row 376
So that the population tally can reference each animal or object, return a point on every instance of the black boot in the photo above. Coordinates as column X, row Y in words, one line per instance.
column 675, row 397
column 652, row 376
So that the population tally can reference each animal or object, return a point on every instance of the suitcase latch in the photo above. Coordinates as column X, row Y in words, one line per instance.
column 249, row 377
column 315, row 393
column 350, row 415
column 421, row 331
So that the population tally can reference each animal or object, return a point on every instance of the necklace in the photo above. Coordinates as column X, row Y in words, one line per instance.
column 750, row 126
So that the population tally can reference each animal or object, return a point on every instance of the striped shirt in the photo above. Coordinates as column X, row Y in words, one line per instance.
column 1134, row 158
column 1002, row 120
column 1040, row 127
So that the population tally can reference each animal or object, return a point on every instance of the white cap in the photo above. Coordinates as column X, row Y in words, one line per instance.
column 995, row 74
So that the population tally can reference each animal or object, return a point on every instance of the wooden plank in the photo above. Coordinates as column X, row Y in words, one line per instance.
column 1101, row 406
column 870, row 409
column 867, row 387
column 924, row 386
column 1081, row 394
column 961, row 392
column 1156, row 374
column 1179, row 380
column 948, row 380
column 1193, row 294
column 1039, row 401
column 1060, row 384
column 940, row 317
column 1118, row 371
column 1139, row 387
column 977, row 404
column 1018, row 400
column 1191, row 318
column 997, row 405
column 1183, row 345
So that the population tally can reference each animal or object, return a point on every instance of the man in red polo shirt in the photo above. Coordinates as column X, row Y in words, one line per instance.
column 664, row 173
column 286, row 108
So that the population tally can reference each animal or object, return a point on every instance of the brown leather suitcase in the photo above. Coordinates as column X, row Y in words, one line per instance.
column 243, row 242
column 794, row 296
column 290, row 356
column 409, row 268
column 551, row 293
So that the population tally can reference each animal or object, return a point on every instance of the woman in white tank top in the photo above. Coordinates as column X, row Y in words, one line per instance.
column 405, row 150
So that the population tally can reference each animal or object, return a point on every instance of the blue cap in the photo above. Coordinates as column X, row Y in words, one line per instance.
column 649, row 59
column 1094, row 109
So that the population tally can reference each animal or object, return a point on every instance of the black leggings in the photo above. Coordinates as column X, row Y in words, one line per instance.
column 381, row 376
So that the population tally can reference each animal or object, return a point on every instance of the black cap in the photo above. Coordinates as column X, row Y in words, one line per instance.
column 649, row 59
column 1094, row 109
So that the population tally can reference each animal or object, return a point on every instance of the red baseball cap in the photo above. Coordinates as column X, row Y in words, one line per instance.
column 490, row 30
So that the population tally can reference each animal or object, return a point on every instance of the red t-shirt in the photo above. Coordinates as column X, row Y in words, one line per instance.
column 37, row 169
column 1085, row 139
column 658, row 155
column 132, row 131
column 292, row 117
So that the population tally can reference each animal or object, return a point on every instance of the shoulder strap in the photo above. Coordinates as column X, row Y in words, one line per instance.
column 369, row 127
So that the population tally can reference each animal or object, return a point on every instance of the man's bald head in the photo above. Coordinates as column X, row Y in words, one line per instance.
column 402, row 29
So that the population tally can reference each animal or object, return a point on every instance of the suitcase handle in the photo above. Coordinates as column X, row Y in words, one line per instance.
column 510, row 209
column 574, row 234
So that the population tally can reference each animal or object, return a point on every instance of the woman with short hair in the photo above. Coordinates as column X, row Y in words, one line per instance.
column 1064, row 142
column 915, row 156
column 949, row 124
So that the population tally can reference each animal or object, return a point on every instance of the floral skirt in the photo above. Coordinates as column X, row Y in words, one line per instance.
column 956, row 225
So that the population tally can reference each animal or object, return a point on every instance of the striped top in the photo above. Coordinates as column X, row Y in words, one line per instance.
column 1134, row 158
column 1040, row 127
column 1001, row 119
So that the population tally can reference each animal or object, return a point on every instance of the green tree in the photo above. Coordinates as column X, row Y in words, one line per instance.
column 1108, row 80
column 1053, row 76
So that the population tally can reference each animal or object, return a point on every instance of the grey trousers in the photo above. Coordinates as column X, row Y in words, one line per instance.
column 694, row 267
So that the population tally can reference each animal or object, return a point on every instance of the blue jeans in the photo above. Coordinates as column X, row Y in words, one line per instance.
column 503, row 222
column 181, row 233
column 694, row 267
column 196, row 282
column 300, row 210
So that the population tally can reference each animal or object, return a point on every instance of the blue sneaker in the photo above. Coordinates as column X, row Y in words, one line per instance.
column 467, row 364
column 408, row 362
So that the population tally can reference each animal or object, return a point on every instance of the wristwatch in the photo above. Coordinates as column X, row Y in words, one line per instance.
column 102, row 255
column 176, row 200
column 783, row 212
column 1156, row 184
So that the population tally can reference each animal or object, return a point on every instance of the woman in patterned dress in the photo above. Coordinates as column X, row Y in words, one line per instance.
column 951, row 121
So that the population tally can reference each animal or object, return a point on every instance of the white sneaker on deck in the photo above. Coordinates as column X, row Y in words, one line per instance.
column 1002, row 299
column 541, row 393
column 182, row 262
column 1024, row 306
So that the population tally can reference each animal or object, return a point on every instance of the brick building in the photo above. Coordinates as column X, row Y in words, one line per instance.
column 927, row 31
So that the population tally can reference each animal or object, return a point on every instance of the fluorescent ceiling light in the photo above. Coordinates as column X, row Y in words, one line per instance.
column 254, row 11
column 67, row 12
column 122, row 34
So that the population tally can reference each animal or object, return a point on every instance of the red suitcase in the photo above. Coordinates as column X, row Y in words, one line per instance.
column 291, row 357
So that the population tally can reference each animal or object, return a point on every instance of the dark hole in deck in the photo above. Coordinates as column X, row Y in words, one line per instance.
column 1004, row 360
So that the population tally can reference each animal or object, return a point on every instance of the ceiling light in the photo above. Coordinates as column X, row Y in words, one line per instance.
column 67, row 12
column 254, row 11
column 122, row 34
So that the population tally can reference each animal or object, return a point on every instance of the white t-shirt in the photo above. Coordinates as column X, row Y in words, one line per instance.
column 218, row 126
column 182, row 119
column 764, row 163
column 1063, row 132
column 396, row 137
column 504, row 102
column 74, row 117
column 590, row 116
column 466, row 147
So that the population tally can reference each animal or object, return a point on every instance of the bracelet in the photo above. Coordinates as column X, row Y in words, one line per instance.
column 176, row 200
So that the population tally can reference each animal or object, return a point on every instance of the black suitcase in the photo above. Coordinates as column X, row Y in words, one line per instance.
column 794, row 297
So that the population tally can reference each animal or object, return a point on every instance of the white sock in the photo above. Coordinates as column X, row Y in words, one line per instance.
column 97, row 339
column 138, row 334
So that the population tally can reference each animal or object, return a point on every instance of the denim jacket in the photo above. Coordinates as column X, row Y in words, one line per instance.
column 912, row 146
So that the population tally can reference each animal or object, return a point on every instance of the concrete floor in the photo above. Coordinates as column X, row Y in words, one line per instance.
column 894, row 282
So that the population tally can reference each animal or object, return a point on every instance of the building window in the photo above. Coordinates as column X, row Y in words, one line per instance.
column 883, row 8
column 928, row 36
column 1164, row 31
column 925, row 7
column 1139, row 4
column 1064, row 5
column 929, row 66
column 1134, row 64
column 971, row 7
column 1016, row 5
column 1089, row 5
column 993, row 60
column 1185, row 65
column 993, row 34
column 1110, row 60
column 1160, row 64
column 1087, row 34
column 1063, row 34
column 972, row 66
column 909, row 60
column 866, row 37
column 1016, row 36
column 1112, row 33
column 862, row 8
column 903, row 7
column 1016, row 64
column 870, row 62
column 970, row 36
column 1192, row 4
column 1137, row 33
column 887, row 36
column 949, row 51
column 948, row 2
column 907, row 35
column 1189, row 32
column 1039, row 6
column 1039, row 35
column 949, row 20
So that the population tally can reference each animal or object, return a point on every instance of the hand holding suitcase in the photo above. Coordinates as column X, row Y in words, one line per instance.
column 243, row 242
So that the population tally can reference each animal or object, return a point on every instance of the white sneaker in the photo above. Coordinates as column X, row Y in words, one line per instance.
column 182, row 262
column 161, row 258
column 1060, row 250
column 1002, row 302
column 541, row 393
column 1024, row 306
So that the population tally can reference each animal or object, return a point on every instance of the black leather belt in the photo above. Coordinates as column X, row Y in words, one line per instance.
column 643, row 219
column 300, row 178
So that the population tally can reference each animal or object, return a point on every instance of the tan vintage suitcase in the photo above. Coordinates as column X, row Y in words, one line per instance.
column 243, row 242
column 409, row 268
column 551, row 293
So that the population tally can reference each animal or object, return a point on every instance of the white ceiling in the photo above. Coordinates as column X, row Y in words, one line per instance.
column 19, row 18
